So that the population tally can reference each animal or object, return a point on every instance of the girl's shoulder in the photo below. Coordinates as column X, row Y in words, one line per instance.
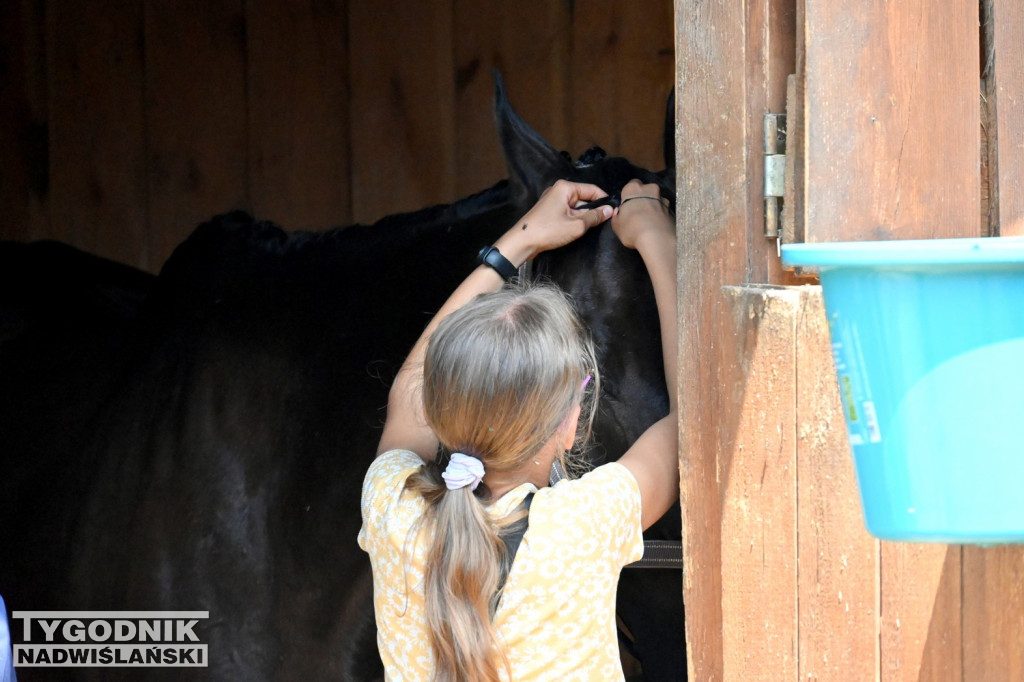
column 610, row 487
column 389, row 471
column 594, row 516
column 396, row 458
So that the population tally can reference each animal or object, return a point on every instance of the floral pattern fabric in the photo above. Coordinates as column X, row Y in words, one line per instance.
column 556, row 619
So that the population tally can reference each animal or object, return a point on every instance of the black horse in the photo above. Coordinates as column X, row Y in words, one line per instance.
column 197, row 441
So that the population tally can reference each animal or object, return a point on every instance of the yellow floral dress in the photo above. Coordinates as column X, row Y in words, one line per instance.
column 556, row 620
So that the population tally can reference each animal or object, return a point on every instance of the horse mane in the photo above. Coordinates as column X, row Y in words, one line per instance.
column 237, row 233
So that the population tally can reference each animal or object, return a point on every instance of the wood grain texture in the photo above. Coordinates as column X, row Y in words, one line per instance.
column 771, row 49
column 712, row 224
column 195, row 101
column 891, row 153
column 298, row 112
column 838, row 561
column 993, row 619
column 795, row 210
column 759, row 509
column 993, row 578
column 97, row 128
column 24, row 125
column 15, row 126
column 794, row 198
column 622, row 68
column 1008, row 77
column 526, row 41
column 920, row 628
column 403, row 131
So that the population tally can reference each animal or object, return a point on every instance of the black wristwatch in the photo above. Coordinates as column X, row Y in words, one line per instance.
column 491, row 256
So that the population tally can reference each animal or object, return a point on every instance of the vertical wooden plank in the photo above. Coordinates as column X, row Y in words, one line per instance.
column 838, row 560
column 712, row 224
column 778, row 44
column 892, row 120
column 795, row 200
column 15, row 171
column 622, row 70
column 97, row 183
column 24, row 173
column 759, row 552
column 527, row 41
column 1008, row 36
column 403, row 137
column 993, row 596
column 771, row 44
column 920, row 630
column 195, row 116
column 298, row 112
column 993, row 613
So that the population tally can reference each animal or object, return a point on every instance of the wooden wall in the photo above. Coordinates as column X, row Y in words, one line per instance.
column 124, row 123
column 1003, row 99
column 905, row 123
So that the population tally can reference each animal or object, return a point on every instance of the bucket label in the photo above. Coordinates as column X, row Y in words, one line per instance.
column 854, row 389
column 871, row 422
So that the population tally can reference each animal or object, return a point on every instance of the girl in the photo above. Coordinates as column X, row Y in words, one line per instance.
column 496, row 389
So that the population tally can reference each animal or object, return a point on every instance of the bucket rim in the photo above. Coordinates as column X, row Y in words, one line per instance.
column 959, row 251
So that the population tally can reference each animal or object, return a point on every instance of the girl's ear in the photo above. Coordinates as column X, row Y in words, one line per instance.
column 571, row 423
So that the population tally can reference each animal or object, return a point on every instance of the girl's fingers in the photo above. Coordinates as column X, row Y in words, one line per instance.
column 596, row 216
column 582, row 191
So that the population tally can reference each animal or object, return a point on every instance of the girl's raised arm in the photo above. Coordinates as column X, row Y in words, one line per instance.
column 551, row 223
column 644, row 223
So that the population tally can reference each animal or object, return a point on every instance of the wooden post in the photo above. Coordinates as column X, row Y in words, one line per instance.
column 712, row 219
column 758, row 468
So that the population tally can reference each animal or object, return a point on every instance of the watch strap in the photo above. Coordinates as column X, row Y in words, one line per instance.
column 492, row 257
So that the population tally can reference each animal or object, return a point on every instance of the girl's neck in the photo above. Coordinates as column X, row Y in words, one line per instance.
column 536, row 471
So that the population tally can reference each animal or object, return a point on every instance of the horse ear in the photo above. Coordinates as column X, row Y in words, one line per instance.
column 533, row 164
column 669, row 139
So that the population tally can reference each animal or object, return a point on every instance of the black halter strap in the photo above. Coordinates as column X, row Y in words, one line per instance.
column 512, row 536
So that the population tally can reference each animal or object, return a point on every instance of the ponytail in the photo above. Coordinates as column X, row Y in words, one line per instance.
column 463, row 567
column 501, row 377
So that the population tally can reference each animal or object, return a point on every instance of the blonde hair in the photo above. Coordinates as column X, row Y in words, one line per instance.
column 501, row 377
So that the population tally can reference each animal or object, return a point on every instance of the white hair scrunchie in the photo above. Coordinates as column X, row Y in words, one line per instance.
column 463, row 470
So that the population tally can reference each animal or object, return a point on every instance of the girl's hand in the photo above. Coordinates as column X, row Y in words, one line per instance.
column 646, row 213
column 553, row 222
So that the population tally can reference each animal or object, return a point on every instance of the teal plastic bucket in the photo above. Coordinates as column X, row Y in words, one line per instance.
column 928, row 341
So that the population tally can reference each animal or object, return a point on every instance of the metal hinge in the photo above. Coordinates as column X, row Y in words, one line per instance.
column 774, row 173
